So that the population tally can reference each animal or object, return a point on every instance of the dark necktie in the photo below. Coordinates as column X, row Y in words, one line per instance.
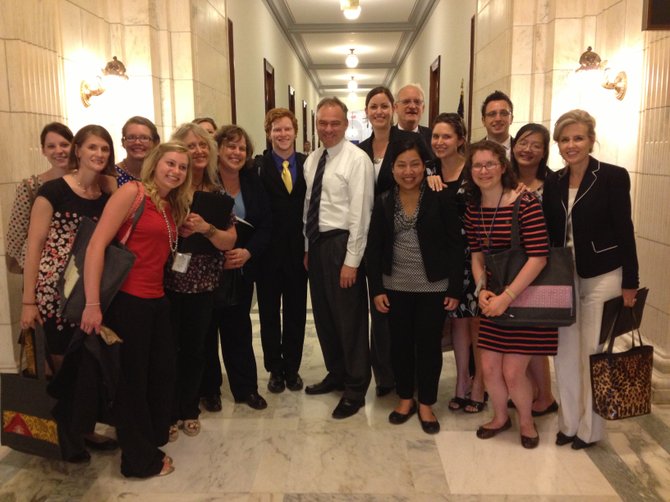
column 312, row 223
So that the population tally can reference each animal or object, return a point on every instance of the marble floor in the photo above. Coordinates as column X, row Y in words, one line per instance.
column 294, row 451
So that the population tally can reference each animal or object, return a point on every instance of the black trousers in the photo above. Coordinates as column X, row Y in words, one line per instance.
column 282, row 308
column 191, row 316
column 143, row 405
column 380, row 347
column 416, row 321
column 233, row 325
column 340, row 316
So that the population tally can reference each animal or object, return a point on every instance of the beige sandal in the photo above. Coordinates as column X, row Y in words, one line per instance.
column 168, row 468
column 173, row 434
column 191, row 427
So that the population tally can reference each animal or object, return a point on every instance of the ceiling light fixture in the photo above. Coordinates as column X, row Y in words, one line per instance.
column 352, row 85
column 350, row 8
column 352, row 59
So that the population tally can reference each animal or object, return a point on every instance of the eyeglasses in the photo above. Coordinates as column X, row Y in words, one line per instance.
column 488, row 166
column 534, row 147
column 406, row 102
column 498, row 113
column 142, row 139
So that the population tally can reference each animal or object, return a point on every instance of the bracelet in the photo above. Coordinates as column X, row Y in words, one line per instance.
column 210, row 231
column 93, row 304
column 29, row 303
column 510, row 293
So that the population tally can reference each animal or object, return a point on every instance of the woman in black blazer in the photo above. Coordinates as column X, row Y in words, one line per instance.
column 415, row 261
column 254, row 229
column 587, row 207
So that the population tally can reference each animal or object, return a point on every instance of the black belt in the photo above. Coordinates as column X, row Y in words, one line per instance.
column 332, row 233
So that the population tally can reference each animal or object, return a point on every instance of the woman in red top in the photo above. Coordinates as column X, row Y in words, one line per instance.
column 140, row 312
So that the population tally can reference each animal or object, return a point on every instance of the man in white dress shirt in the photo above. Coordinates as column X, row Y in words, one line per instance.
column 338, row 204
column 497, row 116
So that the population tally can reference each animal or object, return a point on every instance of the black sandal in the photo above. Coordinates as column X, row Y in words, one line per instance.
column 458, row 403
column 475, row 406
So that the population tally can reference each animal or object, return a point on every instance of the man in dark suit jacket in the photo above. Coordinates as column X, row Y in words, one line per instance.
column 497, row 116
column 409, row 106
column 282, row 279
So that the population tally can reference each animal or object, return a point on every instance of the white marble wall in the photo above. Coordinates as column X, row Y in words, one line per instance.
column 530, row 49
column 176, row 56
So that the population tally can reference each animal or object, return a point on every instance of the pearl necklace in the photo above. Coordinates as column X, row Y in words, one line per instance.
column 173, row 243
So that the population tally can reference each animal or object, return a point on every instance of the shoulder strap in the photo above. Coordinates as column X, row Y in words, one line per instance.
column 516, row 238
column 137, row 208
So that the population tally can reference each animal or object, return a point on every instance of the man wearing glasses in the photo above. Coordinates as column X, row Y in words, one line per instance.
column 497, row 116
column 139, row 137
column 409, row 106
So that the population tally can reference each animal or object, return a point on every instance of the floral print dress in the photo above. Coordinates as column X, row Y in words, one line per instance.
column 68, row 210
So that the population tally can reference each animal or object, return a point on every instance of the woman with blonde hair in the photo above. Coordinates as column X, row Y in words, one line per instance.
column 588, row 208
column 191, row 289
column 140, row 312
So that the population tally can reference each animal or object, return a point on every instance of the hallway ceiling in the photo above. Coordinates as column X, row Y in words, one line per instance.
column 322, row 37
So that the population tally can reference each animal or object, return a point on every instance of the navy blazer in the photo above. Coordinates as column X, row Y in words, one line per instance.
column 258, row 213
column 438, row 229
column 287, row 243
column 602, row 228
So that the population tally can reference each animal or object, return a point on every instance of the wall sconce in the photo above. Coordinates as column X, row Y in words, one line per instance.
column 590, row 60
column 114, row 68
column 350, row 8
column 351, row 60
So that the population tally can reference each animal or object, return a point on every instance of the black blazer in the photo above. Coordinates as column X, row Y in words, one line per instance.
column 258, row 213
column 385, row 178
column 602, row 227
column 438, row 229
column 287, row 243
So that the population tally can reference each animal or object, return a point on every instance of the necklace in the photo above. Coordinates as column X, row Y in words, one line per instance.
column 85, row 188
column 173, row 243
column 486, row 241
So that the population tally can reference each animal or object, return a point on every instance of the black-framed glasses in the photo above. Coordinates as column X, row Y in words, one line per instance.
column 132, row 138
column 487, row 165
column 498, row 113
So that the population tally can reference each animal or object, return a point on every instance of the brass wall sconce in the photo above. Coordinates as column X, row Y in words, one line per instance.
column 590, row 60
column 114, row 68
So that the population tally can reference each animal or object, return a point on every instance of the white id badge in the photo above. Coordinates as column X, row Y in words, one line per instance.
column 181, row 261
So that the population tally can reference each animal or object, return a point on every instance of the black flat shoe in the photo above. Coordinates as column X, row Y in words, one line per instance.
column 579, row 444
column 486, row 433
column 83, row 457
column 563, row 439
column 530, row 443
column 255, row 401
column 294, row 382
column 397, row 418
column 323, row 387
column 552, row 408
column 383, row 390
column 347, row 408
column 108, row 444
column 211, row 403
column 430, row 426
column 276, row 383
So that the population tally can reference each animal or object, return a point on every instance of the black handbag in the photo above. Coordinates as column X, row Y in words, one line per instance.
column 549, row 301
column 118, row 262
column 621, row 381
column 27, row 421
